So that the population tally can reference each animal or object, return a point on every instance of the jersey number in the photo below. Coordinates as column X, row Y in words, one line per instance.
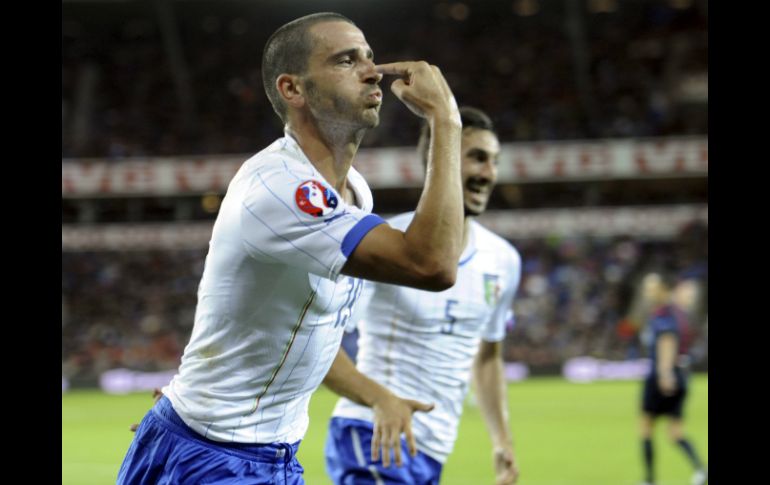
column 355, row 286
column 448, row 327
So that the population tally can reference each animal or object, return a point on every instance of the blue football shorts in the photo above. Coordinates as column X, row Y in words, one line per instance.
column 167, row 451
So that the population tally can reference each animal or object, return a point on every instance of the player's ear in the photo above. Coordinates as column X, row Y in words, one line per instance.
column 291, row 90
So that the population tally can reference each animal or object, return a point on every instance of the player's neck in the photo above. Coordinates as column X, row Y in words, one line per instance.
column 329, row 148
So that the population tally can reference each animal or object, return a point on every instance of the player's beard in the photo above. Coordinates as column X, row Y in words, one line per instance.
column 336, row 110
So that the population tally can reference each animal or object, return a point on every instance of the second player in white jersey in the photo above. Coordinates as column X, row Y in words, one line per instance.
column 425, row 348
column 421, row 345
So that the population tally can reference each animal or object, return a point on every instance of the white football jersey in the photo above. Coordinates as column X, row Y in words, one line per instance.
column 272, row 304
column 421, row 344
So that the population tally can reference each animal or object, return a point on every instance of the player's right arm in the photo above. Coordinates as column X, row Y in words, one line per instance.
column 426, row 255
column 392, row 414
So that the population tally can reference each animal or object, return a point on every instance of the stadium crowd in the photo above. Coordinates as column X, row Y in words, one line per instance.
column 637, row 74
column 135, row 309
column 626, row 69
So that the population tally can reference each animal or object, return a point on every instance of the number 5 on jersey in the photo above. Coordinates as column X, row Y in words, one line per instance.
column 448, row 327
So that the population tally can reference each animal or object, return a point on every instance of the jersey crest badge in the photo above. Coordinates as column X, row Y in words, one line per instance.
column 491, row 289
column 314, row 198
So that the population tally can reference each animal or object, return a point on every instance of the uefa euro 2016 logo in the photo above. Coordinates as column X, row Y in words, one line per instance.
column 315, row 199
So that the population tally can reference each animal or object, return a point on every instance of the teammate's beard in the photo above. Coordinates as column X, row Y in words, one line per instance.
column 468, row 212
column 468, row 185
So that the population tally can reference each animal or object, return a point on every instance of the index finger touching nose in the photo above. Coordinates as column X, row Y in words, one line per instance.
column 394, row 68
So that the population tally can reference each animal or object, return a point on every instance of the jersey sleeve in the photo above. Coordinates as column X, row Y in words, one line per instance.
column 503, row 312
column 301, row 222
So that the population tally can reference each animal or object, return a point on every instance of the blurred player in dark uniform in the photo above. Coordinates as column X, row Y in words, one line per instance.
column 665, row 388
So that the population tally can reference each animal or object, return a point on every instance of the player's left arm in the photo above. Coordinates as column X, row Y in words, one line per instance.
column 489, row 380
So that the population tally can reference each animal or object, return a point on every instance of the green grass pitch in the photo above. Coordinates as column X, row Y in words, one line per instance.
column 565, row 434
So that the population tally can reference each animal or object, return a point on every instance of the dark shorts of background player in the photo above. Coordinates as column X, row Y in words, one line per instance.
column 656, row 404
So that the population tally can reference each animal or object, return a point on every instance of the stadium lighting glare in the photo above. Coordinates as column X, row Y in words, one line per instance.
column 602, row 6
column 525, row 8
column 459, row 11
column 210, row 203
column 680, row 4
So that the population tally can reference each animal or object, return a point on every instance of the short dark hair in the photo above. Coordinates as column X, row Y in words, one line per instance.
column 469, row 116
column 287, row 51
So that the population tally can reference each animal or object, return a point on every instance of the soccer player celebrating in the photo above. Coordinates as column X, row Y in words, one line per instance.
column 426, row 346
column 665, row 387
column 293, row 236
